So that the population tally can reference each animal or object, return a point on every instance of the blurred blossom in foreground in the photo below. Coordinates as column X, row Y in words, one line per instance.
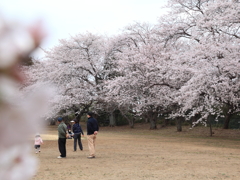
column 20, row 115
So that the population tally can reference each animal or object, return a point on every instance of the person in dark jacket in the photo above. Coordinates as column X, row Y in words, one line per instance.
column 92, row 131
column 77, row 131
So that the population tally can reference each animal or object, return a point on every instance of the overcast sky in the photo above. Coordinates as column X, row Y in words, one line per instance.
column 69, row 17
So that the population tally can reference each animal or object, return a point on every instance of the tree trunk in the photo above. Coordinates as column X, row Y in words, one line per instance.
column 146, row 117
column 179, row 123
column 131, row 123
column 130, row 120
column 112, row 119
column 227, row 121
column 210, row 124
column 153, row 124
column 153, row 120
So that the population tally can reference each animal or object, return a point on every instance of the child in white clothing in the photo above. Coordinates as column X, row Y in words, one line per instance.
column 38, row 142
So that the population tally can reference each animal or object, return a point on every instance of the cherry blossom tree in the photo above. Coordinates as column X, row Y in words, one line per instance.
column 210, row 29
column 146, row 84
column 77, row 67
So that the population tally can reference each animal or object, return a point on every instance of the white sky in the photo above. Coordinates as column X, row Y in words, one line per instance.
column 69, row 17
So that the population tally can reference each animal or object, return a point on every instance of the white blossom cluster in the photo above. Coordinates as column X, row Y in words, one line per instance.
column 19, row 113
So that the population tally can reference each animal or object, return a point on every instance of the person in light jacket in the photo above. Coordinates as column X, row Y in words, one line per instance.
column 37, row 143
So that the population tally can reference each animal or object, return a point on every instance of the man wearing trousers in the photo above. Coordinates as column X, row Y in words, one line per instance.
column 62, row 134
column 77, row 131
column 92, row 131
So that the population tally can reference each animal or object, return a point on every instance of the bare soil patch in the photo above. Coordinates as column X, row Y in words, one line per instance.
column 126, row 154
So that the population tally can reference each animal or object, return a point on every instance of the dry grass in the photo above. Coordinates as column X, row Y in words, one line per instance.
column 140, row 153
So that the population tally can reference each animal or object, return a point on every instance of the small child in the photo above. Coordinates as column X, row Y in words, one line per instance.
column 38, row 142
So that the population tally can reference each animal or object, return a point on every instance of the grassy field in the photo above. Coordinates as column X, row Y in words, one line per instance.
column 163, row 154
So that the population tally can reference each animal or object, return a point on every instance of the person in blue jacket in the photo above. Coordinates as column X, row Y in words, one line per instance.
column 92, row 131
column 77, row 131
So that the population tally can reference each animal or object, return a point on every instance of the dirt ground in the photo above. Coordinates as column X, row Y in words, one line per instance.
column 142, row 154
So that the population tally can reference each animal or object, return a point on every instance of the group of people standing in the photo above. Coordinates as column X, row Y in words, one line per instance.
column 92, row 131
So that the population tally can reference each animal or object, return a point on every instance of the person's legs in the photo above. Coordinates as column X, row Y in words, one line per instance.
column 62, row 146
column 36, row 148
column 75, row 142
column 59, row 146
column 91, row 144
column 80, row 142
column 94, row 141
